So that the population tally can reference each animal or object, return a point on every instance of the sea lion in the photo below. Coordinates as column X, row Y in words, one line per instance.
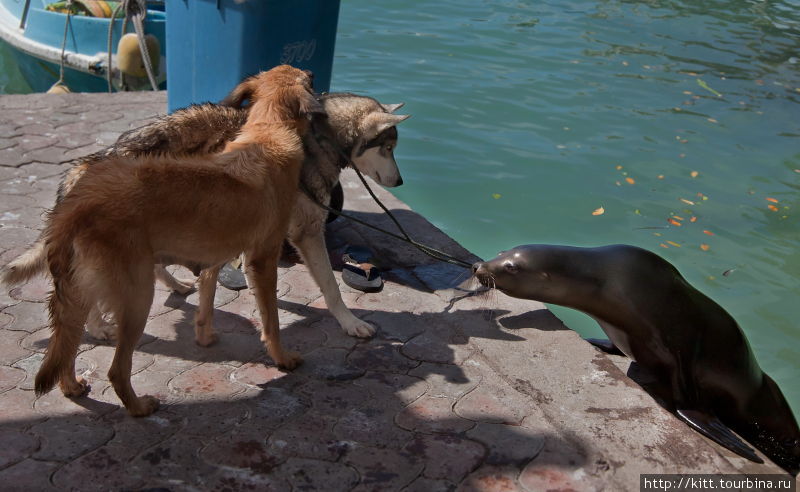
column 693, row 347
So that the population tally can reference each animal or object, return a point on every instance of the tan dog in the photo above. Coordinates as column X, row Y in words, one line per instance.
column 125, row 215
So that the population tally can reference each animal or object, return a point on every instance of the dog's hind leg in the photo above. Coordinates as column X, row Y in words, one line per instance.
column 131, row 307
column 68, row 312
column 180, row 286
column 204, row 319
column 315, row 256
column 262, row 270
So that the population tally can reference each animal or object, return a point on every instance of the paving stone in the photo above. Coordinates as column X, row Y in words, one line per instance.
column 10, row 349
column 232, row 480
column 28, row 316
column 64, row 439
column 335, row 337
column 507, row 444
column 429, row 414
column 493, row 402
column 30, row 365
column 307, row 474
column 397, row 388
column 437, row 451
column 36, row 290
column 369, row 424
column 383, row 469
column 55, row 404
column 380, row 355
column 256, row 374
column 10, row 377
column 171, row 464
column 98, row 360
column 205, row 382
column 17, row 446
column 396, row 326
column 303, row 289
column 272, row 407
column 423, row 484
column 449, row 380
column 332, row 398
column 241, row 450
column 28, row 475
column 17, row 405
column 328, row 364
column 495, row 479
column 308, row 437
column 106, row 468
column 439, row 345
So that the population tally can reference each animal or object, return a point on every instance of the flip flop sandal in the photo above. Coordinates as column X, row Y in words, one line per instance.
column 364, row 277
column 358, row 272
column 231, row 278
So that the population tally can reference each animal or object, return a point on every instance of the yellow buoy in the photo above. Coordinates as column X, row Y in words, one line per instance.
column 129, row 57
column 58, row 88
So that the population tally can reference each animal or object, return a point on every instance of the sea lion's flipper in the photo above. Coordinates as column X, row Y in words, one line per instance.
column 714, row 429
column 606, row 346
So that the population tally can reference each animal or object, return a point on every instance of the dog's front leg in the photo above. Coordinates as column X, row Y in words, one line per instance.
column 315, row 256
column 262, row 273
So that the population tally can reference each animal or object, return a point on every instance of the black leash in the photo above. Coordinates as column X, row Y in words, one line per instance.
column 432, row 252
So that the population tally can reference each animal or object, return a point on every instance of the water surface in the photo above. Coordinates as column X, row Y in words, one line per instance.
column 529, row 116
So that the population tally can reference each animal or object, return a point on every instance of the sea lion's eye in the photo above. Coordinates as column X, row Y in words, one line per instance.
column 510, row 267
column 389, row 148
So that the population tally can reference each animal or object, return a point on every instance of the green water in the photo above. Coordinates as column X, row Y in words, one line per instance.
column 523, row 112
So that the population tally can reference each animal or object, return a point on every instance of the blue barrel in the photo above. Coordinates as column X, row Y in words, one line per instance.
column 213, row 44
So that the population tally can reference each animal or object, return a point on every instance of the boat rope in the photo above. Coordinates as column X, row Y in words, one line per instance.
column 135, row 11
column 64, row 44
column 432, row 252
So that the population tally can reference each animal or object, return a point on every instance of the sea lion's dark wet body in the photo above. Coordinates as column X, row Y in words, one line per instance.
column 693, row 347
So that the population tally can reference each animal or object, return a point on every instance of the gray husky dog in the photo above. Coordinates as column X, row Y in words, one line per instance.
column 357, row 131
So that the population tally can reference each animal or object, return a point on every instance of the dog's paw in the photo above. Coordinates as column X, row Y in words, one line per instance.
column 183, row 286
column 143, row 406
column 359, row 328
column 75, row 388
column 288, row 360
column 206, row 340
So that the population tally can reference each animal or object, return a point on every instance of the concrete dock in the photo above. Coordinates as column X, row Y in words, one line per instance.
column 455, row 392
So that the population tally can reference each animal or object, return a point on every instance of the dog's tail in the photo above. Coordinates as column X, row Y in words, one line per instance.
column 27, row 265
column 66, row 305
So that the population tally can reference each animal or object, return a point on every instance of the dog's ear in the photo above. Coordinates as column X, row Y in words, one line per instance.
column 377, row 123
column 243, row 92
column 391, row 108
column 307, row 104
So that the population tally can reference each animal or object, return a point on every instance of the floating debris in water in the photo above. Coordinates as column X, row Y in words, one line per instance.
column 630, row 180
column 694, row 174
column 702, row 83
column 705, row 247
column 496, row 196
column 599, row 211
column 706, row 231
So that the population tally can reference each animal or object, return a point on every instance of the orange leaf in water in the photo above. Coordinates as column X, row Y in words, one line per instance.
column 773, row 200
column 630, row 180
column 676, row 217
column 693, row 219
column 772, row 207
column 687, row 202
column 674, row 222
column 599, row 211
column 704, row 247
column 673, row 243
column 694, row 174
column 708, row 232
column 660, row 176
column 664, row 245
column 619, row 167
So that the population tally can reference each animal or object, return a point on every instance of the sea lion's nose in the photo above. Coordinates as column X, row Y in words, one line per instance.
column 476, row 266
